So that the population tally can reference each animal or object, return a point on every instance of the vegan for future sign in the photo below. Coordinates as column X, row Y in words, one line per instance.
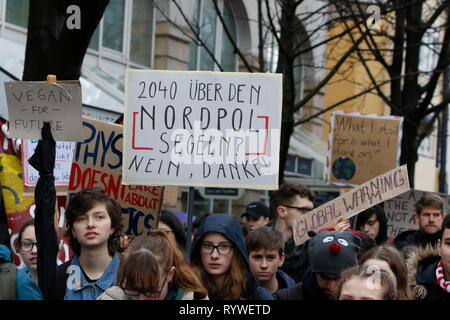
column 212, row 129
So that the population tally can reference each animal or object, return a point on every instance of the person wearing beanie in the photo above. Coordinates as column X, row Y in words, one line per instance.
column 331, row 252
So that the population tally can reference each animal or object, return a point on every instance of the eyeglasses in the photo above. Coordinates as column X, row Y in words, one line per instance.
column 154, row 295
column 28, row 246
column 302, row 209
column 221, row 248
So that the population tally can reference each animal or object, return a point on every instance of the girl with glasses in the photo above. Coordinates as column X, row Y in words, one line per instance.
column 220, row 256
column 154, row 269
column 27, row 248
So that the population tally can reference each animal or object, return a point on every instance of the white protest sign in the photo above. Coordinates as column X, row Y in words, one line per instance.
column 368, row 194
column 31, row 103
column 400, row 211
column 209, row 129
column 63, row 162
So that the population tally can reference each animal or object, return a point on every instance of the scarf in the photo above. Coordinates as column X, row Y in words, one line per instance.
column 440, row 278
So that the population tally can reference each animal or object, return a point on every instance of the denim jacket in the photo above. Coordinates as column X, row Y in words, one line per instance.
column 78, row 288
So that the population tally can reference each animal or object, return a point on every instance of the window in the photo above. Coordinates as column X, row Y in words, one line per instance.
column 17, row 12
column 141, row 32
column 212, row 34
column 113, row 20
column 298, row 165
column 111, row 36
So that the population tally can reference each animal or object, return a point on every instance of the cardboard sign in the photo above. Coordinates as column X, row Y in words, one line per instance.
column 400, row 211
column 370, row 193
column 97, row 162
column 210, row 129
column 361, row 147
column 63, row 162
column 31, row 103
column 18, row 207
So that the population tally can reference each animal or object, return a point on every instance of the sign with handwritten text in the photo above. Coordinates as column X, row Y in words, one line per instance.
column 368, row 194
column 31, row 103
column 63, row 162
column 361, row 147
column 400, row 211
column 97, row 162
column 208, row 129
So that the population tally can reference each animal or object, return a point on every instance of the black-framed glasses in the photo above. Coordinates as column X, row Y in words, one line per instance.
column 28, row 245
column 302, row 209
column 155, row 295
column 208, row 248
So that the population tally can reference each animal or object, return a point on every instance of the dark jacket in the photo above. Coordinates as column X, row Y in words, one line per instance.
column 415, row 238
column 230, row 227
column 306, row 290
column 284, row 280
column 422, row 265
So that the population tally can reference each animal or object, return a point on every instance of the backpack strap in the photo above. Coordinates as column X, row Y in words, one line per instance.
column 61, row 280
column 8, row 285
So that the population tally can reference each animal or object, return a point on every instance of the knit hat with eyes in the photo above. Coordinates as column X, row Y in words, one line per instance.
column 332, row 251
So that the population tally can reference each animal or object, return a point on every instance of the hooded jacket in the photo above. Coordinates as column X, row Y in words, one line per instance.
column 230, row 227
column 421, row 264
column 26, row 288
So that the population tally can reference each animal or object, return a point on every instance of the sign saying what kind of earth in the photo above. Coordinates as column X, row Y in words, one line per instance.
column 361, row 147
column 368, row 194
column 210, row 129
column 31, row 103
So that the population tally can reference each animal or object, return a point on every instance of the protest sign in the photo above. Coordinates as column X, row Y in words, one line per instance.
column 63, row 162
column 208, row 129
column 31, row 103
column 19, row 207
column 97, row 162
column 400, row 211
column 361, row 147
column 370, row 193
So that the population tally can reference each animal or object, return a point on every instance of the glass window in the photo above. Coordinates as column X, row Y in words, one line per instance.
column 290, row 163
column 17, row 12
column 113, row 20
column 208, row 35
column 206, row 21
column 222, row 206
column 304, row 166
column 228, row 58
column 141, row 32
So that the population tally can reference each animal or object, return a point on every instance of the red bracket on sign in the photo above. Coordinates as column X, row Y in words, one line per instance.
column 265, row 139
column 134, row 135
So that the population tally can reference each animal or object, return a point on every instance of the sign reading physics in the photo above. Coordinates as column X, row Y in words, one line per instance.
column 368, row 194
column 210, row 129
column 31, row 103
column 400, row 211
column 362, row 147
column 97, row 162
column 63, row 162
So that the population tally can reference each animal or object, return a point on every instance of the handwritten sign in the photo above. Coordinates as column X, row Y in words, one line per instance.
column 31, row 103
column 400, row 211
column 97, row 161
column 63, row 162
column 370, row 193
column 213, row 129
column 362, row 147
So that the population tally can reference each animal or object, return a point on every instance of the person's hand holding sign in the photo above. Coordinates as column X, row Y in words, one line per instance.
column 340, row 225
